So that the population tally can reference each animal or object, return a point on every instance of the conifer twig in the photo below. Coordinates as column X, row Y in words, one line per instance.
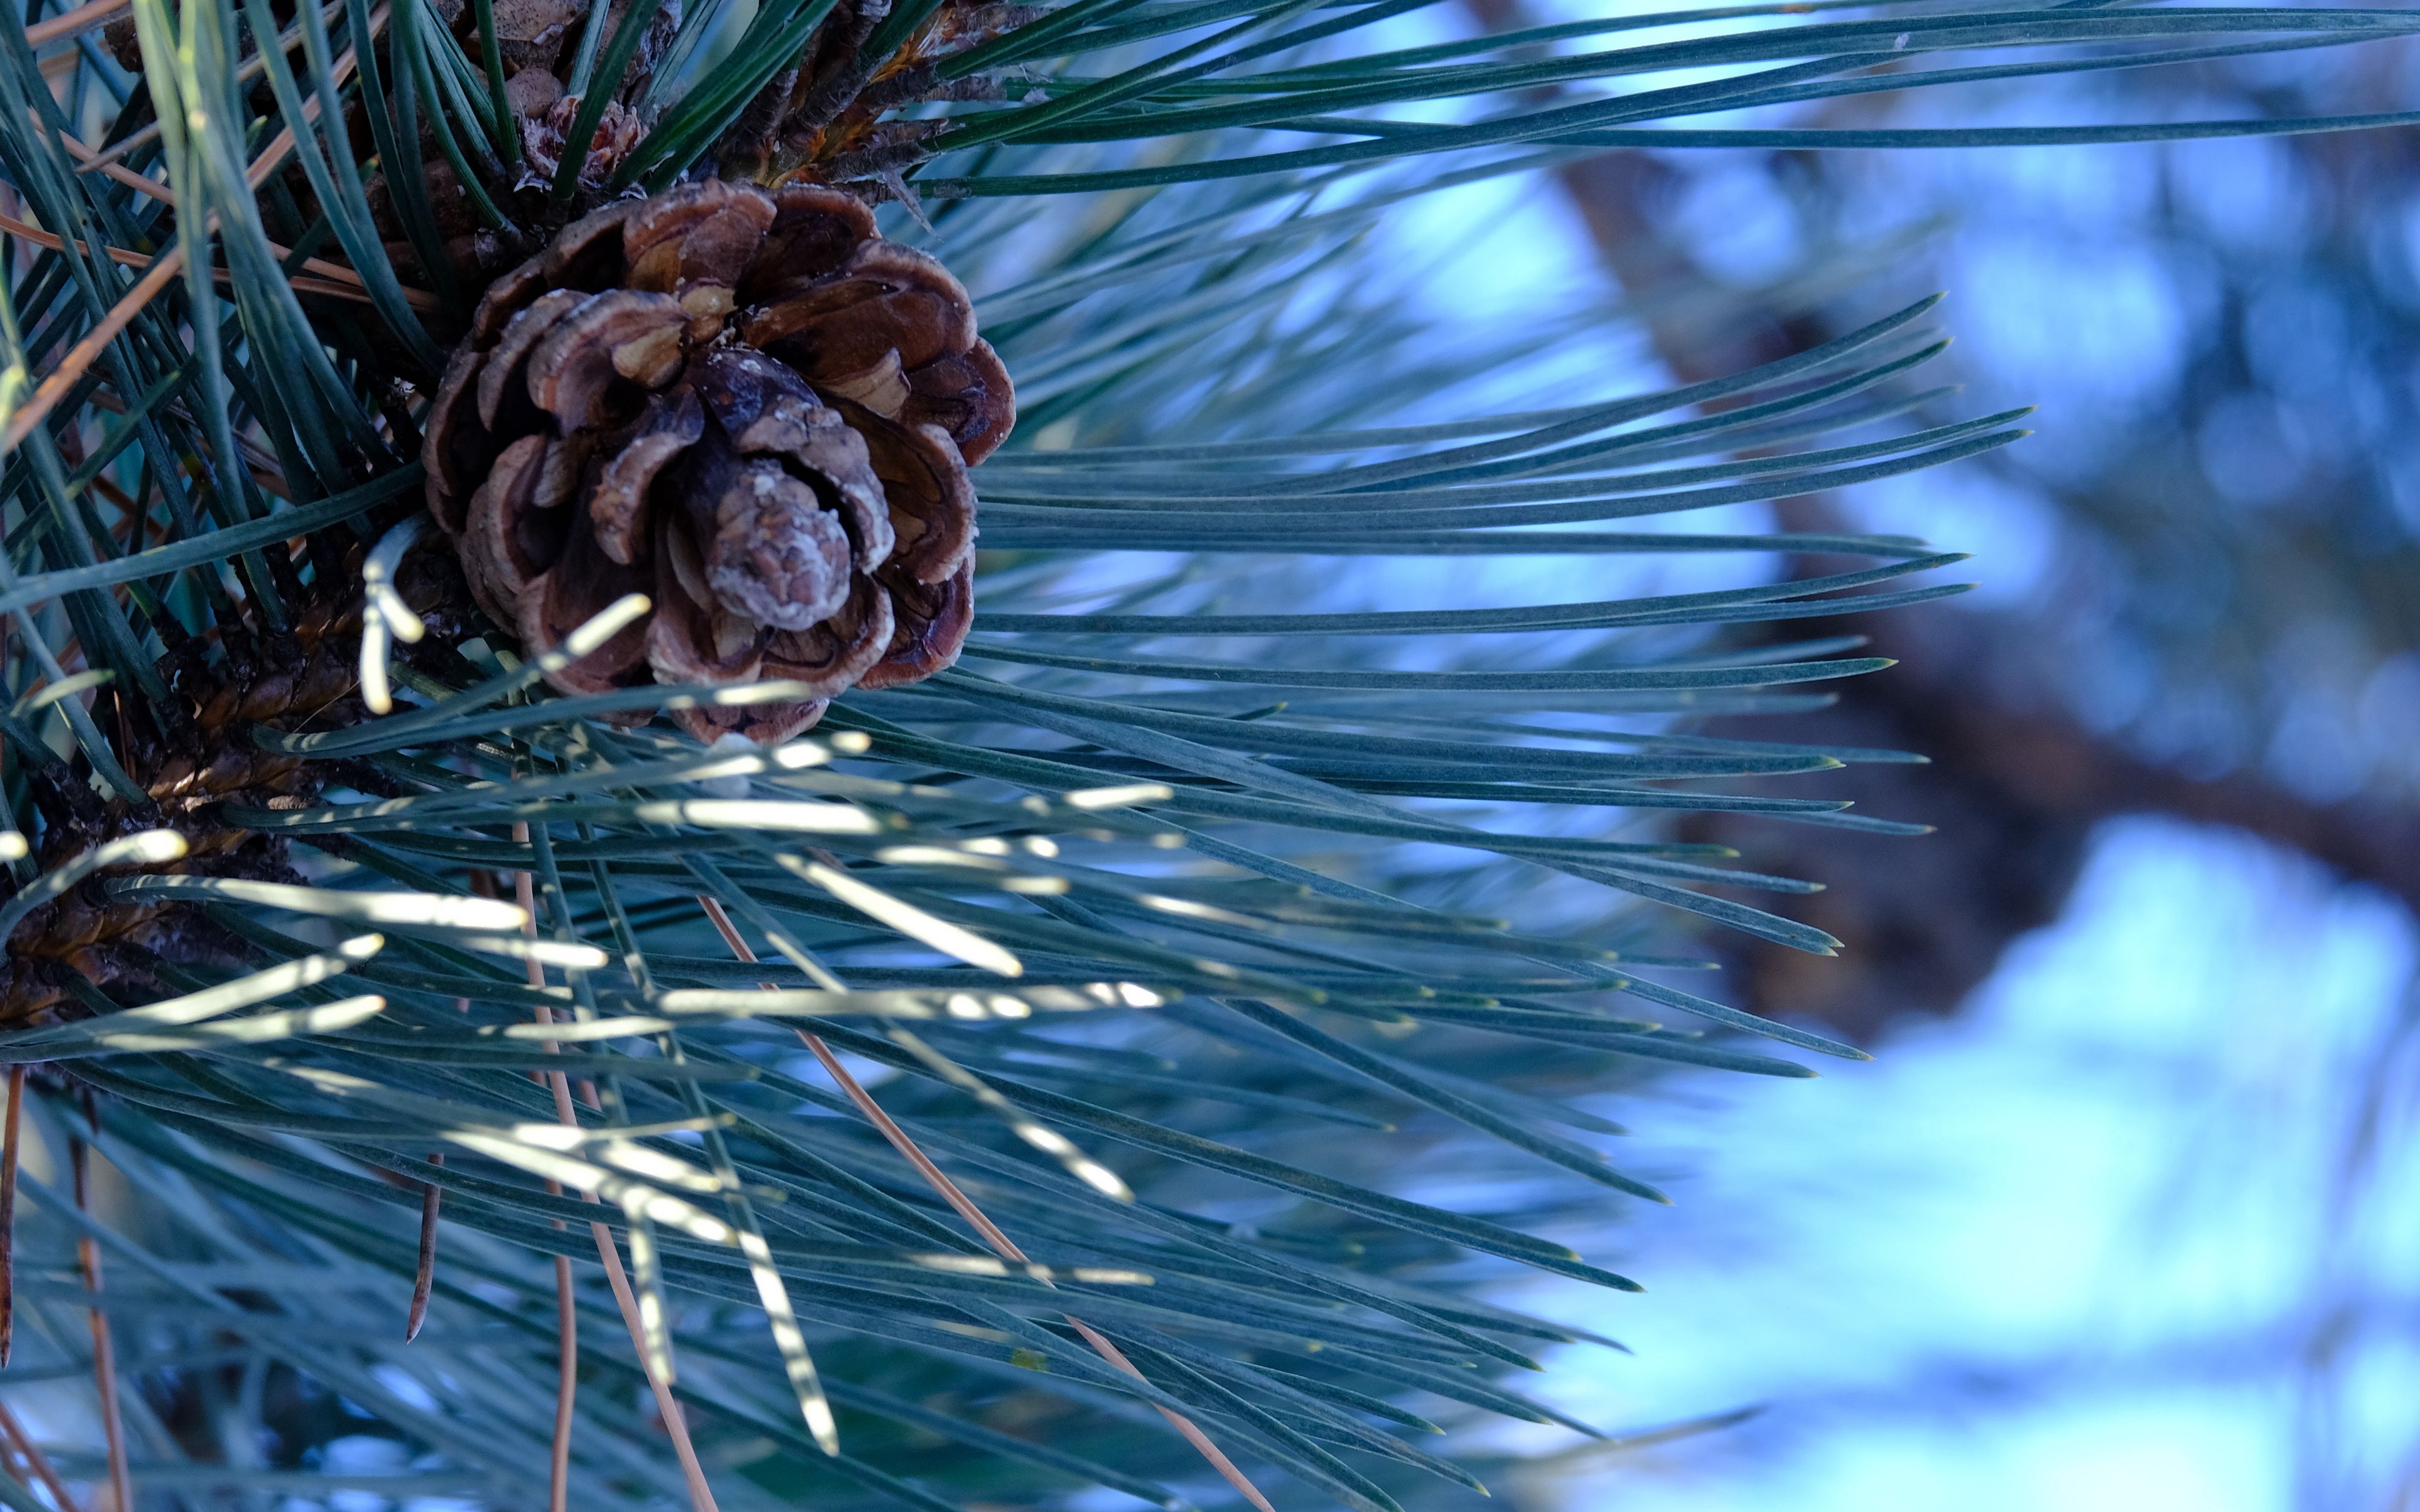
column 567, row 1303
column 104, row 1354
column 80, row 356
column 82, row 17
column 331, row 274
column 9, row 1123
column 701, row 1493
column 567, row 1386
column 1000, row 1244
column 341, row 283
column 21, row 1443
column 163, row 268
column 423, row 1275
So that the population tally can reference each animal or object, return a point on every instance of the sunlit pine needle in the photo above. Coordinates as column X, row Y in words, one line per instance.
column 701, row 1494
column 1000, row 1242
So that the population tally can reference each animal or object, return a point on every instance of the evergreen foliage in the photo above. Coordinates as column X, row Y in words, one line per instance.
column 1215, row 948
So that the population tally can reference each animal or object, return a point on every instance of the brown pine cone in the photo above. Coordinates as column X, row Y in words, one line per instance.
column 745, row 405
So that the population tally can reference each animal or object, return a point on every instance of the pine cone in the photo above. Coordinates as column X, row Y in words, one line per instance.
column 747, row 405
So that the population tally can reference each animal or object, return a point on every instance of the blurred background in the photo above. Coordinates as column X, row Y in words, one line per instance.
column 2127, row 1211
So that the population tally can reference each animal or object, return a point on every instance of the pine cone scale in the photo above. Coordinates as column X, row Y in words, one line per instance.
column 627, row 334
column 813, row 234
column 933, row 619
column 495, row 564
column 835, row 655
column 690, row 640
column 763, row 409
column 674, row 423
column 580, row 585
column 778, row 556
column 503, row 374
column 932, row 502
column 696, row 246
column 453, row 444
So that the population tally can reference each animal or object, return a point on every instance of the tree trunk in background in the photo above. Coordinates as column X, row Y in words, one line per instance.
column 2016, row 783
column 2014, row 788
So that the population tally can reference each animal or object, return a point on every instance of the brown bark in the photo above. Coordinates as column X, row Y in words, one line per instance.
column 2015, row 783
column 2014, row 788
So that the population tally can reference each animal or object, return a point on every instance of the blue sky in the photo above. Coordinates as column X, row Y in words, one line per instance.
column 2125, row 1232
column 2059, row 1251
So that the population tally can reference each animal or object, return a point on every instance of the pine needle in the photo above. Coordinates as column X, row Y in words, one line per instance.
column 10, row 1151
column 992, row 1234
column 423, row 1274
column 647, row 1335
column 27, row 1453
column 105, row 1349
